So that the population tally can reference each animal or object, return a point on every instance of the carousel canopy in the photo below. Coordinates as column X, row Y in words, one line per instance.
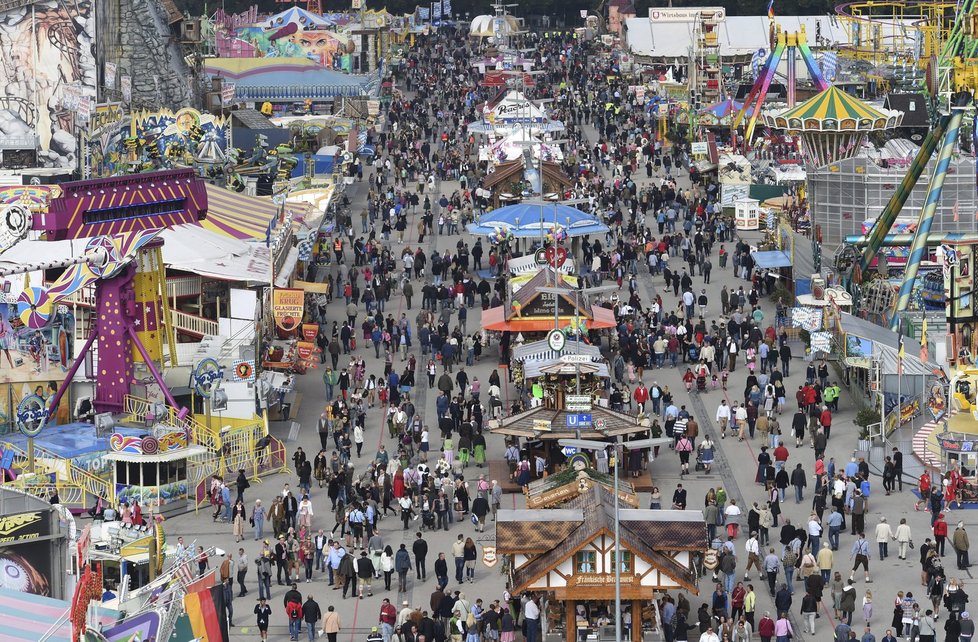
column 723, row 109
column 488, row 26
column 527, row 220
column 298, row 16
column 834, row 110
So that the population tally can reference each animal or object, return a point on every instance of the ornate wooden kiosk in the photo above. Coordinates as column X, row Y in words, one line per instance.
column 568, row 555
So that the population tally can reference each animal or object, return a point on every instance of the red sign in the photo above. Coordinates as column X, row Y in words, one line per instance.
column 556, row 256
column 309, row 331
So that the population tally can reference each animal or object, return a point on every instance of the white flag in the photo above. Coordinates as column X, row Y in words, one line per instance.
column 126, row 86
column 110, row 74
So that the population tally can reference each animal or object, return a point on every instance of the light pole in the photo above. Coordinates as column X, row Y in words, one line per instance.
column 592, row 444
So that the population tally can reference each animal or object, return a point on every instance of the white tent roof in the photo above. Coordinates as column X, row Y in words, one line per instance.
column 186, row 247
column 516, row 106
column 486, row 26
column 738, row 35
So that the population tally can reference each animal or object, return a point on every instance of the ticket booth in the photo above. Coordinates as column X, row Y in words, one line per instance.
column 747, row 214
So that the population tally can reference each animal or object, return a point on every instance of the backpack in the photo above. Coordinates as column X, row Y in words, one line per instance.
column 293, row 610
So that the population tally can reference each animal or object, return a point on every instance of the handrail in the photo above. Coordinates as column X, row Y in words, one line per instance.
column 61, row 621
column 183, row 286
column 193, row 324
column 76, row 475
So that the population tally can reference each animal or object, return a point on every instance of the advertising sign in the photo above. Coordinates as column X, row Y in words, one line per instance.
column 287, row 307
column 717, row 14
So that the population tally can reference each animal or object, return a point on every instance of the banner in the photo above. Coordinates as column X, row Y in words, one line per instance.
column 309, row 331
column 84, row 112
column 227, row 92
column 307, row 352
column 287, row 307
column 436, row 10
column 110, row 68
column 424, row 13
column 126, row 84
column 243, row 370
column 807, row 318
column 446, row 8
column 207, row 613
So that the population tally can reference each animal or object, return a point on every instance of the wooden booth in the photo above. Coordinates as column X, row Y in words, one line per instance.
column 567, row 556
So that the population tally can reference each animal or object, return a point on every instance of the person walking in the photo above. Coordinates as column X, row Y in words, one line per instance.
column 959, row 542
column 904, row 538
column 861, row 555
column 263, row 614
column 311, row 615
column 331, row 623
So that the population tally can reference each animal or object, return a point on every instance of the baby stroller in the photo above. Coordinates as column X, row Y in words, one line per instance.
column 428, row 520
column 701, row 382
column 699, row 461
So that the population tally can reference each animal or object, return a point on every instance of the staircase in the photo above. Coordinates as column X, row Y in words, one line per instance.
column 76, row 487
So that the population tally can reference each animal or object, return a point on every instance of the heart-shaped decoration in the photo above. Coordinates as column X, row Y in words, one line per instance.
column 556, row 256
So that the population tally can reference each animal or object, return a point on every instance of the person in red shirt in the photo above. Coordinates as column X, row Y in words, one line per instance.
column 388, row 617
column 826, row 420
column 940, row 534
column 641, row 396
column 780, row 457
column 765, row 628
column 924, row 486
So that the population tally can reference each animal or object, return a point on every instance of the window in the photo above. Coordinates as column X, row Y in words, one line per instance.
column 584, row 562
column 626, row 561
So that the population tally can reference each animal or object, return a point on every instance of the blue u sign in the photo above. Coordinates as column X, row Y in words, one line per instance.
column 578, row 419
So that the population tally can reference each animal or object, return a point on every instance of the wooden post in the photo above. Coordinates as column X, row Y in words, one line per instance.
column 570, row 620
column 636, row 621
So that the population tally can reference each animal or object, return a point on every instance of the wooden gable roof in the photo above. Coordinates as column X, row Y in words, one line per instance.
column 674, row 531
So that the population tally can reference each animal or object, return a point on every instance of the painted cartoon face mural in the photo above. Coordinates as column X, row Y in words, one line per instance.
column 44, row 56
column 291, row 41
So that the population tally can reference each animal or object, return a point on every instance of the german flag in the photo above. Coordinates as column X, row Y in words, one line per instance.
column 207, row 614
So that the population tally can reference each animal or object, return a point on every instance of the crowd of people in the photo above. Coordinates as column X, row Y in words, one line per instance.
column 663, row 237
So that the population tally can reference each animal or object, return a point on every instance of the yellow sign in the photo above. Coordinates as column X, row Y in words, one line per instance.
column 541, row 424
column 106, row 114
column 14, row 523
column 287, row 306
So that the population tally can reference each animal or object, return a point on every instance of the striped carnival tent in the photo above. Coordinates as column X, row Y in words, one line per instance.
column 238, row 215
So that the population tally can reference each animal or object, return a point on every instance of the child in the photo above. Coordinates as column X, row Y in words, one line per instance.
column 723, row 378
column 868, row 607
column 716, row 382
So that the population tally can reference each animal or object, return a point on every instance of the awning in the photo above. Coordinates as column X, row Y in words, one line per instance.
column 771, row 259
column 497, row 321
column 28, row 617
column 238, row 215
column 288, row 269
column 310, row 287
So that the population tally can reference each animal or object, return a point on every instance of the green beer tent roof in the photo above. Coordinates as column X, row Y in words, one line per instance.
column 834, row 110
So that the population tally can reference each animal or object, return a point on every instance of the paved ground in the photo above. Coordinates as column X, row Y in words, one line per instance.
column 735, row 469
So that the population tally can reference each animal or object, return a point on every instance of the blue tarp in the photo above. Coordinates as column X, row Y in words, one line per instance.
column 771, row 259
column 527, row 219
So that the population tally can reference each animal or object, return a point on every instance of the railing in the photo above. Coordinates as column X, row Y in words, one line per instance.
column 84, row 297
column 183, row 286
column 194, row 325
column 136, row 410
column 71, row 482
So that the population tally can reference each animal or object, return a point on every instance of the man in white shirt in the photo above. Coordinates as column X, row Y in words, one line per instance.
column 753, row 550
column 709, row 636
column 723, row 417
column 531, row 613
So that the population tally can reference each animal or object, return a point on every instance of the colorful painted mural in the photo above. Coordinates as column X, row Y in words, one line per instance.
column 28, row 354
column 12, row 394
column 48, row 69
column 177, row 139
column 152, row 496
column 292, row 41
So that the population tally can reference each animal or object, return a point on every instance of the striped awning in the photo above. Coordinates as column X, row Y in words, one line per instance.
column 238, row 215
